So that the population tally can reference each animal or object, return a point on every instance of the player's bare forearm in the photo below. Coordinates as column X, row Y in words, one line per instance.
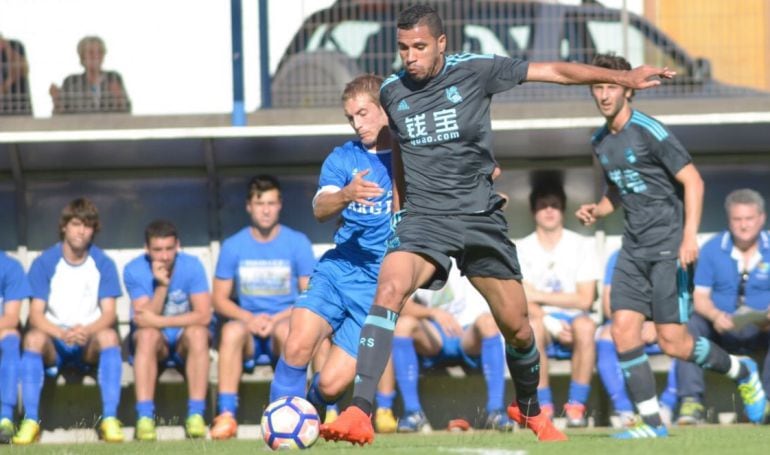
column 693, row 198
column 581, row 299
column 38, row 320
column 568, row 73
column 704, row 306
column 107, row 319
column 329, row 204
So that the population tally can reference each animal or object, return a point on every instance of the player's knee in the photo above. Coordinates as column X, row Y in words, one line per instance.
column 197, row 338
column 281, row 332
column 486, row 325
column 584, row 327
column 146, row 338
column 34, row 340
column 297, row 351
column 391, row 294
column 406, row 326
column 107, row 338
column 233, row 334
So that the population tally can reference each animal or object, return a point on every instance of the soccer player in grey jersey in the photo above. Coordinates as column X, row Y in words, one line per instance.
column 438, row 108
column 661, row 191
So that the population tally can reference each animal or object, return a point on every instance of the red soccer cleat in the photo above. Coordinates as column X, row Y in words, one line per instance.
column 353, row 425
column 540, row 424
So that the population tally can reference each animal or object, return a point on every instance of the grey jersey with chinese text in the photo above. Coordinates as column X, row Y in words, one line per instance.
column 641, row 161
column 445, row 134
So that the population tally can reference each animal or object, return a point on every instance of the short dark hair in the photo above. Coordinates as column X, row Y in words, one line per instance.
column 82, row 209
column 262, row 184
column 365, row 84
column 612, row 62
column 421, row 15
column 546, row 190
column 160, row 229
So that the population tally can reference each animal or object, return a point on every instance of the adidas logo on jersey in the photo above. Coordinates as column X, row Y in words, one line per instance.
column 403, row 106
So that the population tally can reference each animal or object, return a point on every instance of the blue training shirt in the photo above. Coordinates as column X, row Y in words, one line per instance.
column 13, row 281
column 187, row 278
column 265, row 274
column 719, row 271
column 362, row 237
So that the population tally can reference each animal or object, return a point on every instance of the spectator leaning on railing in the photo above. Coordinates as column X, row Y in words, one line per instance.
column 95, row 90
column 14, row 86
column 732, row 295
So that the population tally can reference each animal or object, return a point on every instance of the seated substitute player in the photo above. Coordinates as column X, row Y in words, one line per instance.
column 265, row 265
column 731, row 277
column 14, row 288
column 355, row 183
column 72, row 319
column 448, row 326
column 608, row 365
column 560, row 273
column 649, row 172
column 171, row 311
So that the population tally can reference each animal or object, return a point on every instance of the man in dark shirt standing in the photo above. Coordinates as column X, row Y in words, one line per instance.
column 661, row 191
column 439, row 110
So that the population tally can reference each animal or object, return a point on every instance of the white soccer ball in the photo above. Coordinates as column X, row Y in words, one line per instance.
column 290, row 423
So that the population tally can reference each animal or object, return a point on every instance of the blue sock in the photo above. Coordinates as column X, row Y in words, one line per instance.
column 196, row 407
column 544, row 396
column 612, row 377
column 145, row 409
column 407, row 373
column 385, row 400
column 288, row 381
column 10, row 357
column 31, row 373
column 315, row 397
column 578, row 393
column 228, row 402
column 493, row 364
column 668, row 397
column 110, row 369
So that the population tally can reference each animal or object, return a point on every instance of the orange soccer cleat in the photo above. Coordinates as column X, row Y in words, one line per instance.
column 353, row 425
column 540, row 424
column 225, row 427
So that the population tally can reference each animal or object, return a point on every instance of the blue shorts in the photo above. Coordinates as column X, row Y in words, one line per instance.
column 171, row 335
column 342, row 294
column 451, row 352
column 556, row 350
column 263, row 354
column 68, row 356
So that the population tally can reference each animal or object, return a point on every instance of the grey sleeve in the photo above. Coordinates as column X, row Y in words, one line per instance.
column 671, row 154
column 505, row 73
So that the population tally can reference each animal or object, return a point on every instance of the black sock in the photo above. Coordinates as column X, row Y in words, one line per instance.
column 640, row 382
column 374, row 347
column 524, row 366
column 710, row 356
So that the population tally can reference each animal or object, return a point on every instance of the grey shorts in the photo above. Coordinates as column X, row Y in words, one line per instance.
column 660, row 290
column 479, row 243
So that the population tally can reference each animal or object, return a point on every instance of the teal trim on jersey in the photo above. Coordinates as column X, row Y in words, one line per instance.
column 650, row 125
column 599, row 134
column 634, row 362
column 379, row 321
column 459, row 58
column 392, row 78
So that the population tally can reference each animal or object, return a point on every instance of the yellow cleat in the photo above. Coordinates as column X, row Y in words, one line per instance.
column 385, row 421
column 331, row 414
column 29, row 432
column 145, row 429
column 111, row 430
column 195, row 427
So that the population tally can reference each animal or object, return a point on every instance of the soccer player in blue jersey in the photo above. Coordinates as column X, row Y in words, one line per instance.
column 355, row 184
column 171, row 311
column 661, row 192
column 72, row 318
column 14, row 288
column 438, row 108
column 265, row 265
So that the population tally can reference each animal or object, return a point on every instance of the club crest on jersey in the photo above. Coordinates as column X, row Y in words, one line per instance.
column 630, row 156
column 403, row 106
column 453, row 94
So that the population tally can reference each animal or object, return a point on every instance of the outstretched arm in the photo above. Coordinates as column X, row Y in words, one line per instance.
column 566, row 73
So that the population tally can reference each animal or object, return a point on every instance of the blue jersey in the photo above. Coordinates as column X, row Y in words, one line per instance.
column 609, row 269
column 72, row 292
column 362, row 237
column 718, row 271
column 187, row 278
column 13, row 281
column 266, row 273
